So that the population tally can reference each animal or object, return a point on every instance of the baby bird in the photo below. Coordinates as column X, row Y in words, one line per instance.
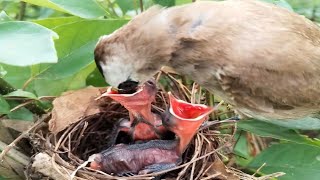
column 182, row 118
column 143, row 124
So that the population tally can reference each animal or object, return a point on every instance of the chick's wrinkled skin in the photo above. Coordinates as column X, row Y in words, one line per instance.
column 182, row 118
column 143, row 123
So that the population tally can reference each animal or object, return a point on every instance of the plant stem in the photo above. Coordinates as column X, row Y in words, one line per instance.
column 141, row 5
column 14, row 154
column 22, row 12
column 6, row 88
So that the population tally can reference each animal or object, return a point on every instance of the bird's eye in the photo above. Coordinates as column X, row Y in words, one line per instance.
column 151, row 83
column 166, row 118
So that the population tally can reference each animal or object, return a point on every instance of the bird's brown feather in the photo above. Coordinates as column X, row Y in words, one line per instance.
column 263, row 59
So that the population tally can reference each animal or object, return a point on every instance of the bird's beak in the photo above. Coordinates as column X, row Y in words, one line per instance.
column 185, row 119
column 138, row 102
column 97, row 163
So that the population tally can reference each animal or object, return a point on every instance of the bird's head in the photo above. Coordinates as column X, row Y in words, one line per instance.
column 119, row 66
column 136, row 51
column 184, row 119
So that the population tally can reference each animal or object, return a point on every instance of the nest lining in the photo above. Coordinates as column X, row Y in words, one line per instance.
column 71, row 148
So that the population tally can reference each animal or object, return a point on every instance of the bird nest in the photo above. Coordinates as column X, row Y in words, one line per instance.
column 65, row 154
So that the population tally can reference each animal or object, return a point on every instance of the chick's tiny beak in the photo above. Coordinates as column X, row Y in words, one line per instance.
column 96, row 164
column 185, row 119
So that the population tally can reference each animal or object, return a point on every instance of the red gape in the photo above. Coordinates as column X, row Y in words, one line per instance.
column 183, row 118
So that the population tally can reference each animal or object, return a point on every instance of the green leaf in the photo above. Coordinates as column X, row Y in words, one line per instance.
column 21, row 93
column 4, row 106
column 3, row 72
column 242, row 150
column 81, row 8
column 126, row 5
column 26, row 43
column 21, row 114
column 298, row 161
column 281, row 3
column 265, row 129
column 306, row 123
column 165, row 3
column 96, row 79
column 4, row 16
column 55, row 22
column 180, row 2
column 16, row 75
column 75, row 50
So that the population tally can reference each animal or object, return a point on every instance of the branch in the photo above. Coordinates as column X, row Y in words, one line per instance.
column 6, row 149
column 6, row 88
column 22, row 11
column 141, row 5
column 15, row 154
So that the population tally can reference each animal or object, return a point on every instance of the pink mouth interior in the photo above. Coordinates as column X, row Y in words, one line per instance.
column 187, row 110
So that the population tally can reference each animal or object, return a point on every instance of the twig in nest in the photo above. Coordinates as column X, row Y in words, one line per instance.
column 24, row 134
column 16, row 155
column 257, row 171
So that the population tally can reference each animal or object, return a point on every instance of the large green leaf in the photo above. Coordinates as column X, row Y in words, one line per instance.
column 75, row 50
column 179, row 2
column 3, row 72
column 271, row 130
column 21, row 113
column 4, row 106
column 4, row 16
column 81, row 8
column 165, row 3
column 298, row 161
column 96, row 79
column 281, row 3
column 55, row 22
column 26, row 43
column 21, row 93
column 126, row 6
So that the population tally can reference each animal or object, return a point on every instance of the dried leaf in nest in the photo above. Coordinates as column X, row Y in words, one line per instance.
column 222, row 172
column 72, row 106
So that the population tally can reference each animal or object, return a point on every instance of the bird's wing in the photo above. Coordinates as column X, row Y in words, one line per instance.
column 270, row 91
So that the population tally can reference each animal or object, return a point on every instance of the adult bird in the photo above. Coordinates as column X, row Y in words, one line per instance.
column 262, row 59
